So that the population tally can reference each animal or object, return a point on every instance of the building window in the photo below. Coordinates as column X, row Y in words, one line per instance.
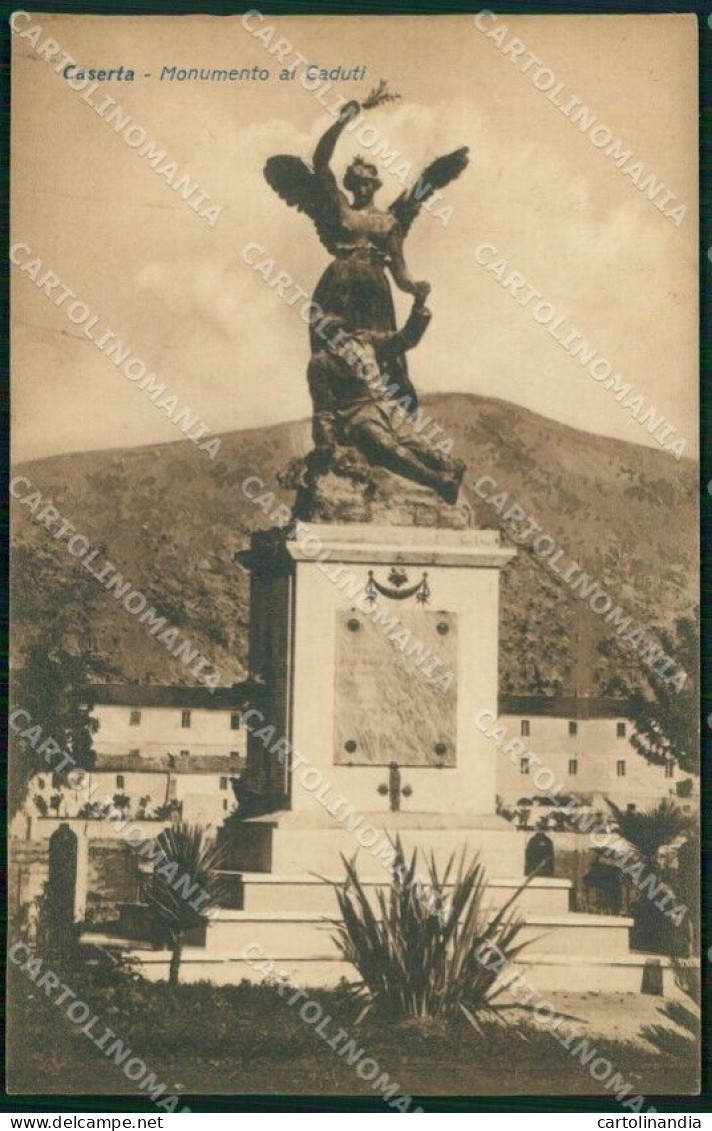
column 525, row 728
column 134, row 753
column 135, row 718
column 185, row 718
column 573, row 766
column 573, row 728
column 223, row 783
column 630, row 807
column 620, row 769
column 225, row 804
column 40, row 783
column 620, row 730
column 523, row 765
column 235, row 719
column 670, row 769
column 185, row 753
column 234, row 753
column 119, row 781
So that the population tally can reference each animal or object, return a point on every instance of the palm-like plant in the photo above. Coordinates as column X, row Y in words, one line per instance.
column 650, row 830
column 647, row 832
column 189, row 863
column 427, row 958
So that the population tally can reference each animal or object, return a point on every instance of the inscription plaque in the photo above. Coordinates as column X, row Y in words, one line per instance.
column 385, row 708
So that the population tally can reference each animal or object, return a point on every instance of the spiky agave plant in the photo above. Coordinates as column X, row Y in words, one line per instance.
column 426, row 951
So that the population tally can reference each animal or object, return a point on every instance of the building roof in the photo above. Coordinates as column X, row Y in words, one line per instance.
column 240, row 695
column 175, row 763
column 563, row 706
column 153, row 695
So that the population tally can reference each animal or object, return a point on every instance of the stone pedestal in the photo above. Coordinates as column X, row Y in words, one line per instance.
column 376, row 646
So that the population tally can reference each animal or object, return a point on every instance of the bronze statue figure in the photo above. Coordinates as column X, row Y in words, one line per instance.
column 364, row 403
column 353, row 407
column 363, row 239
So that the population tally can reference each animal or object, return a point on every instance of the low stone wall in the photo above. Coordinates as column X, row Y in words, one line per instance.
column 576, row 859
column 112, row 879
column 28, row 868
column 109, row 878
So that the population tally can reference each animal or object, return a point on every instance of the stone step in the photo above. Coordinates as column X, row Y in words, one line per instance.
column 295, row 935
column 546, row 973
column 283, row 847
column 264, row 891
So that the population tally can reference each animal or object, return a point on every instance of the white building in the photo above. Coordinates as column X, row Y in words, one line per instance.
column 586, row 744
column 154, row 723
column 163, row 749
column 156, row 749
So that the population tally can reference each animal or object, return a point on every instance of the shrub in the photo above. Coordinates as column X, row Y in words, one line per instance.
column 681, row 1043
column 427, row 951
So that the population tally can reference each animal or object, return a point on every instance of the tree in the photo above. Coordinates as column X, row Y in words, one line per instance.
column 190, row 863
column 59, row 659
column 647, row 832
column 666, row 717
column 41, row 805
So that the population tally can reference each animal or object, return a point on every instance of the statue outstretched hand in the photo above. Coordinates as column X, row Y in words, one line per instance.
column 420, row 293
column 351, row 110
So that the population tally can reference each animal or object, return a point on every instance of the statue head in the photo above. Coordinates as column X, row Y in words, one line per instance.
column 361, row 179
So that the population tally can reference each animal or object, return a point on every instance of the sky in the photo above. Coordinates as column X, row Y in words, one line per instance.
column 179, row 293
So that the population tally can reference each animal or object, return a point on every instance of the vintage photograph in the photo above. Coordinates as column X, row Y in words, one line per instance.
column 354, row 688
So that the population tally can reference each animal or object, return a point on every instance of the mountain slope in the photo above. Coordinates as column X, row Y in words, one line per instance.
column 171, row 520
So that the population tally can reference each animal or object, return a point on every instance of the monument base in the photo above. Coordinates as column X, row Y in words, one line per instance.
column 374, row 635
column 377, row 646
column 313, row 842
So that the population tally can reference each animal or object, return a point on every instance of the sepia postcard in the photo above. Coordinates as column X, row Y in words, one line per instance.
column 354, row 691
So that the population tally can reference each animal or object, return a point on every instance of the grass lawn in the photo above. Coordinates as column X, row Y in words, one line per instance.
column 247, row 1040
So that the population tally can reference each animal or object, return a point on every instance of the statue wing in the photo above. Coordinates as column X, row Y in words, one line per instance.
column 301, row 188
column 438, row 174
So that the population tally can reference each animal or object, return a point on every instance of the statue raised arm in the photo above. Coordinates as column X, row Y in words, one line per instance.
column 365, row 241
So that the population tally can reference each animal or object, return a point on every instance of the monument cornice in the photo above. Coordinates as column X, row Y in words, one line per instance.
column 404, row 545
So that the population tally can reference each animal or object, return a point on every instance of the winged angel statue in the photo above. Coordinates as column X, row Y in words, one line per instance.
column 363, row 239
